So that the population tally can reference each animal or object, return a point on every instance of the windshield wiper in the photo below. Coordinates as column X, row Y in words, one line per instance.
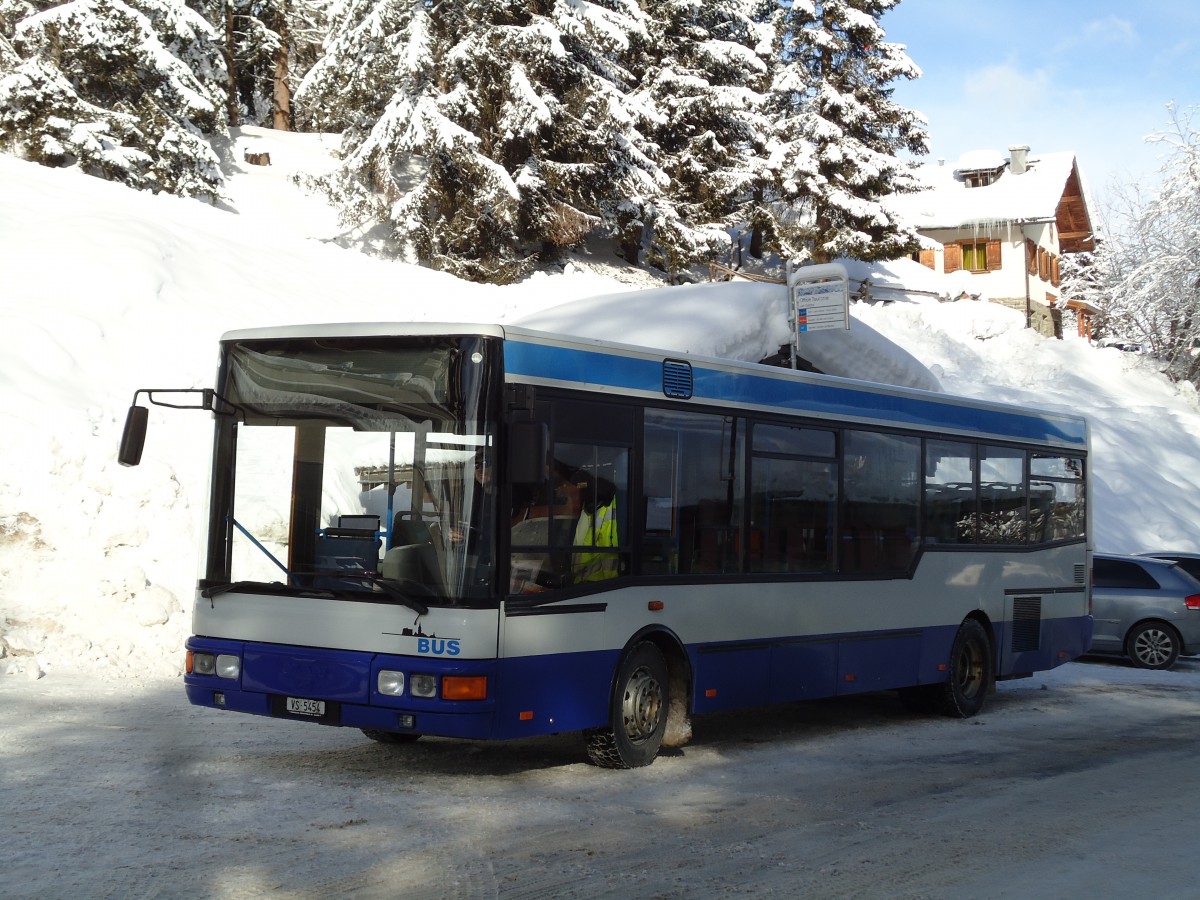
column 399, row 589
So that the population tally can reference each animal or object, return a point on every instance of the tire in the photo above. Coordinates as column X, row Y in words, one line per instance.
column 638, row 712
column 1153, row 645
column 971, row 672
column 390, row 737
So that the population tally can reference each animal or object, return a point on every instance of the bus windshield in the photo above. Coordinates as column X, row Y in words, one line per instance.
column 357, row 467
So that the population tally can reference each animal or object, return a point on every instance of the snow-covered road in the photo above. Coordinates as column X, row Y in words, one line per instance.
column 1080, row 782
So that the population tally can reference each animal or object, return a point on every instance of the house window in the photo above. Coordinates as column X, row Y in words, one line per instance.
column 974, row 257
column 978, row 179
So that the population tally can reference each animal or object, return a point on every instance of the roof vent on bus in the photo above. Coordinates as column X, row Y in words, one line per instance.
column 677, row 379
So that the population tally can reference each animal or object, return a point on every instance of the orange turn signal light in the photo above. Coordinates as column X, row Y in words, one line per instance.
column 464, row 687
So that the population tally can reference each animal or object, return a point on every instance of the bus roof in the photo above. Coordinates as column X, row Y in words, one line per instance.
column 607, row 367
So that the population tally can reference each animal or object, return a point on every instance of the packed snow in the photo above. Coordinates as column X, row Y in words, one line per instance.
column 107, row 290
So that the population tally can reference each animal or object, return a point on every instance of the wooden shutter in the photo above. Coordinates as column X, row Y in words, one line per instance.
column 993, row 256
column 927, row 258
column 952, row 260
column 1031, row 252
column 1043, row 264
column 1055, row 274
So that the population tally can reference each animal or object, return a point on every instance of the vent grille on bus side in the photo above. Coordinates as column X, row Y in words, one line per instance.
column 677, row 379
column 1080, row 575
column 1027, row 624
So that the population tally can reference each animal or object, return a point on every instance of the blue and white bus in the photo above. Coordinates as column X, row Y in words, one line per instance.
column 488, row 532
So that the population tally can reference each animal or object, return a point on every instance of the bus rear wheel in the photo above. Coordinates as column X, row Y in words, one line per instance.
column 638, row 712
column 970, row 671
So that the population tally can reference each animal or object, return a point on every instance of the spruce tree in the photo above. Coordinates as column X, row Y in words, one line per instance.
column 130, row 92
column 839, row 133
column 486, row 134
column 708, row 83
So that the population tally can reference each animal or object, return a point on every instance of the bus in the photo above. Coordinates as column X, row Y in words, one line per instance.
column 483, row 531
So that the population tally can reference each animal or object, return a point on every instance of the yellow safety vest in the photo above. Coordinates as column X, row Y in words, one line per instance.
column 599, row 530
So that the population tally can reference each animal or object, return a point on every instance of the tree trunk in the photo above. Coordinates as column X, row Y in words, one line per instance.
column 282, row 95
column 230, row 69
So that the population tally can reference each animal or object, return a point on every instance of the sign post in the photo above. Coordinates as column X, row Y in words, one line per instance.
column 818, row 300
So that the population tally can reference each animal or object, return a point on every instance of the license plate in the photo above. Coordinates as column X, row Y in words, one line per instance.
column 300, row 707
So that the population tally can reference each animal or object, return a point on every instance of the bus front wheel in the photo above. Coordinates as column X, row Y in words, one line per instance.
column 638, row 712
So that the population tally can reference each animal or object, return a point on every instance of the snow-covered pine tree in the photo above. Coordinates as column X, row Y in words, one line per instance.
column 270, row 46
column 839, row 132
column 484, row 133
column 129, row 92
column 11, row 12
column 708, row 83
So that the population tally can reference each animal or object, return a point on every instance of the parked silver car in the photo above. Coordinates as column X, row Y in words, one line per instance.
column 1145, row 608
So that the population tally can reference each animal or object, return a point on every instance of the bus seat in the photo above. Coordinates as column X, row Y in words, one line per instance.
column 413, row 552
column 406, row 530
column 415, row 562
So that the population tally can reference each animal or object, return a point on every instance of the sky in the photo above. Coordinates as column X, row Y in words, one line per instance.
column 108, row 290
column 1091, row 76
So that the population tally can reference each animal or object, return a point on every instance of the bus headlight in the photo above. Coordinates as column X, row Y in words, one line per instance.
column 223, row 665
column 390, row 683
column 228, row 666
column 423, row 685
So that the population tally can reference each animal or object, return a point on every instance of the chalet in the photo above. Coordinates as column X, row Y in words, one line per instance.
column 1005, row 223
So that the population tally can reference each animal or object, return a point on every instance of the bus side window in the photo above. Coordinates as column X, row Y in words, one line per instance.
column 882, row 477
column 1003, row 497
column 793, row 499
column 693, row 484
column 950, row 493
column 575, row 529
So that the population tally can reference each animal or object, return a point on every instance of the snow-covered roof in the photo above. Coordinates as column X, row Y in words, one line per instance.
column 981, row 160
column 947, row 201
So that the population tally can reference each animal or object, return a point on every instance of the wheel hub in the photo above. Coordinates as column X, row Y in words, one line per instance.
column 1153, row 646
column 641, row 707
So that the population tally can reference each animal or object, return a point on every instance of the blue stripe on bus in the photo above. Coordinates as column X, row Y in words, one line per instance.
column 631, row 373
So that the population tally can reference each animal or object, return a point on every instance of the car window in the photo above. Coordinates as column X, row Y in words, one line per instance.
column 1191, row 566
column 1119, row 573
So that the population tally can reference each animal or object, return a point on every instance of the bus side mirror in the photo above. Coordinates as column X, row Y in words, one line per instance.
column 528, row 444
column 133, row 439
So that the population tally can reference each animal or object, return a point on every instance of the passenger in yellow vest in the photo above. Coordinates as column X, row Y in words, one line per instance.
column 597, row 527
